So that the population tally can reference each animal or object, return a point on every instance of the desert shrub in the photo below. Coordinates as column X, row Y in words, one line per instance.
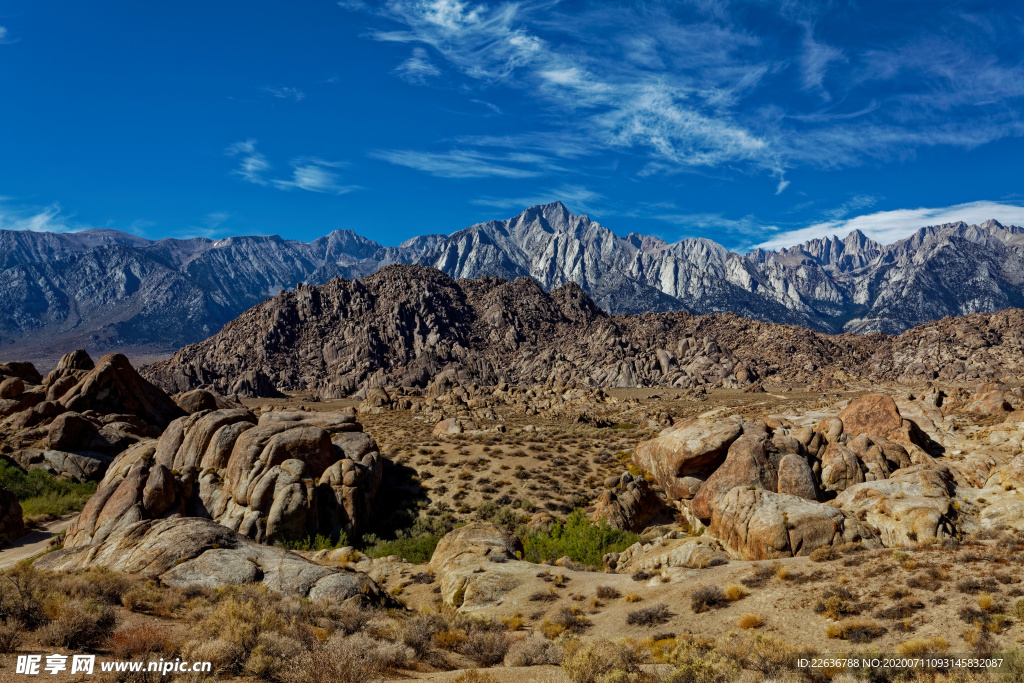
column 598, row 660
column 917, row 647
column 78, row 625
column 707, row 597
column 473, row 676
column 856, row 630
column 607, row 593
column 578, row 538
column 694, row 665
column 349, row 659
column 534, row 650
column 570, row 619
column 758, row 577
column 750, row 620
column 22, row 589
column 770, row 655
column 649, row 616
column 98, row 583
column 734, row 592
column 837, row 602
column 640, row 575
column 825, row 553
column 901, row 610
column 137, row 642
column 11, row 631
column 486, row 647
column 318, row 542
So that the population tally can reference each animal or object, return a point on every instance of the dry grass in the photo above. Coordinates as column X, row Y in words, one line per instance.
column 856, row 630
column 734, row 592
column 750, row 620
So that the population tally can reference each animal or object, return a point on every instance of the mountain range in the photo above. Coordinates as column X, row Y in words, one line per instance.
column 104, row 289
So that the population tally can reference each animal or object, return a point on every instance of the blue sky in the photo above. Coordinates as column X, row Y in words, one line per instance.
column 747, row 122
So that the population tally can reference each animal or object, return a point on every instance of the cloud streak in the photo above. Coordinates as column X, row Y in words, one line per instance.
column 698, row 85
column 308, row 173
column 888, row 227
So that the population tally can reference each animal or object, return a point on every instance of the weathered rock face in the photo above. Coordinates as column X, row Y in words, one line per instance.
column 188, row 551
column 911, row 506
column 12, row 525
column 81, row 415
column 759, row 525
column 113, row 386
column 692, row 449
column 690, row 552
column 289, row 475
column 461, row 553
column 750, row 463
column 629, row 505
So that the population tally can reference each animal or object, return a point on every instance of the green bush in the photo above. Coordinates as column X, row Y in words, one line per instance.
column 578, row 538
column 321, row 542
column 415, row 543
column 43, row 494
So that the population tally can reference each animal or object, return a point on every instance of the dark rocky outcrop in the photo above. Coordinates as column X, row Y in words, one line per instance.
column 80, row 415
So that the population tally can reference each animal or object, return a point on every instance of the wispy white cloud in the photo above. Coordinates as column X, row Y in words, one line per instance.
column 576, row 197
column 815, row 58
column 697, row 85
column 37, row 219
column 887, row 227
column 418, row 69
column 466, row 163
column 251, row 164
column 308, row 173
column 313, row 175
column 285, row 93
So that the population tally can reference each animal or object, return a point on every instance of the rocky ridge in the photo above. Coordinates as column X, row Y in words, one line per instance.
column 408, row 326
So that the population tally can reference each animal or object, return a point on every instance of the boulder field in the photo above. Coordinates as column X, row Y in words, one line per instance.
column 869, row 474
column 72, row 422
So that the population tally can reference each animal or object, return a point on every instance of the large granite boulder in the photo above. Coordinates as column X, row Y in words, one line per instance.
column 288, row 475
column 754, row 524
column 914, row 504
column 752, row 462
column 189, row 551
column 693, row 449
column 81, row 415
column 460, row 556
column 629, row 506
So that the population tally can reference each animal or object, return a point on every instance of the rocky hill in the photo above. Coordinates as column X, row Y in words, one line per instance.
column 405, row 325
column 102, row 289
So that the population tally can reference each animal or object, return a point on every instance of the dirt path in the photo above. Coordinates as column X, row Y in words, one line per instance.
column 33, row 543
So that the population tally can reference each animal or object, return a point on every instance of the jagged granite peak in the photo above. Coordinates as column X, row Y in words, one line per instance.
column 409, row 325
column 103, row 290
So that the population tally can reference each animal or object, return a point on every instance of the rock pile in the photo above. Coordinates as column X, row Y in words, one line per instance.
column 773, row 489
column 74, row 420
column 286, row 475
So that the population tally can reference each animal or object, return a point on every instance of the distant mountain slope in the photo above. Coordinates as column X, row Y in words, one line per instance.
column 103, row 289
column 408, row 325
